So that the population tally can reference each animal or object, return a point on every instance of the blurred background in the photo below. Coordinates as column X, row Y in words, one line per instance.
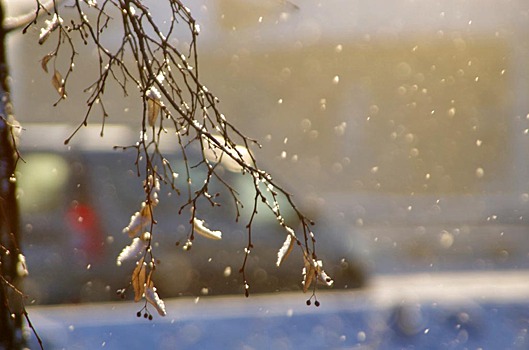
column 402, row 128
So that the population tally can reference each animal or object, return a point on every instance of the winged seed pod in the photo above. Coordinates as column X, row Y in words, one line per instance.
column 152, row 297
column 154, row 104
column 322, row 275
column 138, row 279
column 285, row 250
column 58, row 83
column 314, row 269
column 139, row 220
column 45, row 60
column 308, row 274
column 51, row 25
column 198, row 227
column 133, row 250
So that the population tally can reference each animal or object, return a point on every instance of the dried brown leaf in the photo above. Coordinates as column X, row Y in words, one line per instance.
column 138, row 280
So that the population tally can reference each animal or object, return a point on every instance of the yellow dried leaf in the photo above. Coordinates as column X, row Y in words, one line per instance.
column 138, row 280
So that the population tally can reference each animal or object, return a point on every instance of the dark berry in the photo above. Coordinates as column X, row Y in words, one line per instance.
column 317, row 303
column 308, row 302
column 138, row 314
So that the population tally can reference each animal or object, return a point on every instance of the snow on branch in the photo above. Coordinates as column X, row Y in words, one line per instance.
column 150, row 68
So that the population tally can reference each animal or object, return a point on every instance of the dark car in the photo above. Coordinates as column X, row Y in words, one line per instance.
column 76, row 200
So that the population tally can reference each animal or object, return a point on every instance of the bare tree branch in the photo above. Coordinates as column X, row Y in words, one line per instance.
column 149, row 67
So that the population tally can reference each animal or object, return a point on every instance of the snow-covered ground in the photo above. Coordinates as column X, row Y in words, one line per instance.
column 488, row 310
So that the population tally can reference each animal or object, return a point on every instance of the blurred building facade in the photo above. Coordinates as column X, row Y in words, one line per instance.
column 388, row 120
